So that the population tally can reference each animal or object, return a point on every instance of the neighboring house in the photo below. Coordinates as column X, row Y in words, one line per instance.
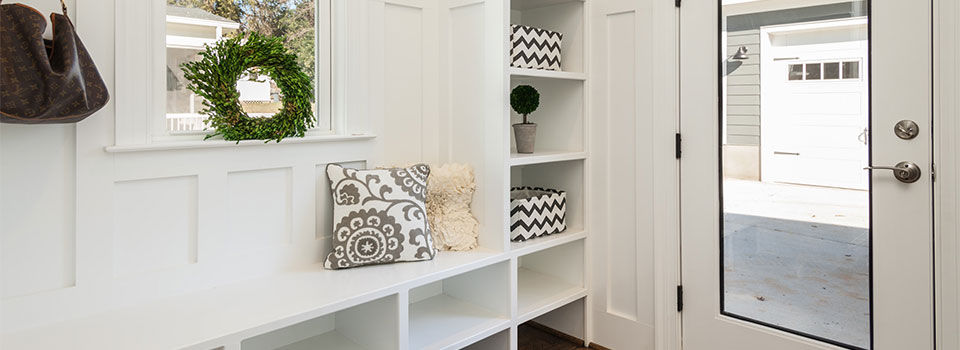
column 797, row 104
column 188, row 30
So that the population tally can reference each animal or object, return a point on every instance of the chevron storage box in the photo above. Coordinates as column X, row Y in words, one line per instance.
column 534, row 48
column 536, row 212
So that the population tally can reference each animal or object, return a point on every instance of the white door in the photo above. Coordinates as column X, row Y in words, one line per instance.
column 792, row 266
column 633, row 104
column 814, row 103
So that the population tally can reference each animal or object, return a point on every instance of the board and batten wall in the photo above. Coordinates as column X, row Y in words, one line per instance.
column 83, row 230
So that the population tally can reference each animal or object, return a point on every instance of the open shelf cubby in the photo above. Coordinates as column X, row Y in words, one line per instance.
column 566, row 176
column 565, row 324
column 498, row 341
column 369, row 326
column 560, row 120
column 563, row 16
column 460, row 310
column 549, row 279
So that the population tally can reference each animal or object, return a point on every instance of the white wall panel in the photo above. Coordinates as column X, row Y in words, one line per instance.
column 155, row 225
column 403, row 84
column 623, row 218
column 258, row 210
column 39, row 208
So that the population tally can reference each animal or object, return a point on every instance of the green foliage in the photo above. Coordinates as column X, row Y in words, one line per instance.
column 301, row 34
column 524, row 99
column 214, row 77
column 293, row 20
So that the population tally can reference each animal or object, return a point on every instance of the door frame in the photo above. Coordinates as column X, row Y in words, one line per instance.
column 946, row 69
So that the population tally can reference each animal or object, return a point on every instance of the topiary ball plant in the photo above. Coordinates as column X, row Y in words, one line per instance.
column 524, row 99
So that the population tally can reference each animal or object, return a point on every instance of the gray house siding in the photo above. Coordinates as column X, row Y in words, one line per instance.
column 743, row 76
column 743, row 89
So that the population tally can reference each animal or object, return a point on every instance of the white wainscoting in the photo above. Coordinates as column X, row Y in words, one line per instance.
column 85, row 230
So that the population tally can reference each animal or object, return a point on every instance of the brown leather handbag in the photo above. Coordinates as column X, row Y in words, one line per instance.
column 45, row 81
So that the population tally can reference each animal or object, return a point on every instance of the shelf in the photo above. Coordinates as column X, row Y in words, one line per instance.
column 539, row 73
column 531, row 4
column 517, row 159
column 498, row 341
column 443, row 322
column 329, row 340
column 539, row 293
column 185, row 145
column 232, row 313
column 534, row 245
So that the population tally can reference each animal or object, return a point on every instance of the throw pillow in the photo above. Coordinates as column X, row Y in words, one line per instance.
column 449, row 194
column 379, row 216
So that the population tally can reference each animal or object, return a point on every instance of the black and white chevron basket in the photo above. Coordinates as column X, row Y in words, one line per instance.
column 536, row 212
column 534, row 48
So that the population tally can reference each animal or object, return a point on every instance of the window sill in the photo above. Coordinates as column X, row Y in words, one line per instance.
column 184, row 145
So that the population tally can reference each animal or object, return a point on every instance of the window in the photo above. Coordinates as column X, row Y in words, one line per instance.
column 191, row 24
column 824, row 71
column 831, row 70
column 813, row 71
column 796, row 72
column 851, row 70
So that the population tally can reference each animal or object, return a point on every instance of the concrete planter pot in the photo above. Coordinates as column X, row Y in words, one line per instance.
column 526, row 136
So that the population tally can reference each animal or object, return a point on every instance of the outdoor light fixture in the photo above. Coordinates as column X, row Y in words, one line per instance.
column 741, row 54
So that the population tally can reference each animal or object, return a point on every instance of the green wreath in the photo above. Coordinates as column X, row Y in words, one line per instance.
column 214, row 78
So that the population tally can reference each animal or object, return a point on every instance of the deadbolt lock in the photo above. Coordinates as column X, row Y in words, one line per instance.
column 906, row 129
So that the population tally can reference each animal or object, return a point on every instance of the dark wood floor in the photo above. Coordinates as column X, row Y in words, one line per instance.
column 533, row 338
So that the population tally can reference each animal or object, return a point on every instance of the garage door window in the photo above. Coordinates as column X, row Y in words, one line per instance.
column 831, row 70
column 824, row 71
column 851, row 70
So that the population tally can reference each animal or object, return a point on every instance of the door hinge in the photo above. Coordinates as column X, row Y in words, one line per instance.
column 676, row 3
column 679, row 139
column 679, row 298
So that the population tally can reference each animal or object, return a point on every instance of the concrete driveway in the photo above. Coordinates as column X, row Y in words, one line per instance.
column 798, row 257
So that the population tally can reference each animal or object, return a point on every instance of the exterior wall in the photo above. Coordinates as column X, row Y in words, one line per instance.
column 742, row 148
column 743, row 89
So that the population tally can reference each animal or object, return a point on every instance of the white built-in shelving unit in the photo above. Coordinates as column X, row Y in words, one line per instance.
column 551, row 272
column 460, row 300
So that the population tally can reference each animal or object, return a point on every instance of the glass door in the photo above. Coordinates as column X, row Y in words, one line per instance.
column 805, row 251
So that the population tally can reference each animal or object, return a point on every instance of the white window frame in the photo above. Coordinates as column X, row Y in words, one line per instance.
column 140, row 95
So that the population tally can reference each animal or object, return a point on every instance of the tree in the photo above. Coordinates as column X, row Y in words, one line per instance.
column 265, row 17
column 293, row 20
column 230, row 9
column 301, row 34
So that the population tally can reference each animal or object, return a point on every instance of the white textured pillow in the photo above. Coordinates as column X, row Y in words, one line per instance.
column 379, row 216
column 450, row 191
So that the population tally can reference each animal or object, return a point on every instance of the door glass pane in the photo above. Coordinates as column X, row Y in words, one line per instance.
column 795, row 238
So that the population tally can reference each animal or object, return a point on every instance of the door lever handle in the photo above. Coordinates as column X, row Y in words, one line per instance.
column 906, row 172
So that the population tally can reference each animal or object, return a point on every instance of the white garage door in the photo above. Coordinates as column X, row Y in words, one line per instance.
column 814, row 104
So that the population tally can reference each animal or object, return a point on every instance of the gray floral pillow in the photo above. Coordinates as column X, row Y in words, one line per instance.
column 379, row 216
